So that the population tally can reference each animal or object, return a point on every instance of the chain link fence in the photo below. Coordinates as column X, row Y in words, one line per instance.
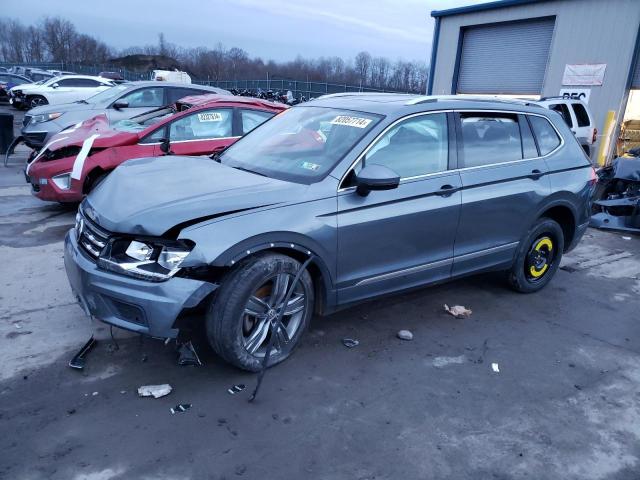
column 308, row 89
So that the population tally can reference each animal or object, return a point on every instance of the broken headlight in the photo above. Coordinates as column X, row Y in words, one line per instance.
column 155, row 260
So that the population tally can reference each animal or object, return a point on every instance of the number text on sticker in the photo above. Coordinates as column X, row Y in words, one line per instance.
column 210, row 117
column 348, row 121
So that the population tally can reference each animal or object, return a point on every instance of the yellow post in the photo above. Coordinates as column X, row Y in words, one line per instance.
column 605, row 140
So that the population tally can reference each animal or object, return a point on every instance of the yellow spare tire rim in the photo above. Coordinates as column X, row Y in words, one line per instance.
column 540, row 257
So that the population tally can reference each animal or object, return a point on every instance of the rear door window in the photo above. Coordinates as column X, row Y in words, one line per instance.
column 252, row 118
column 489, row 138
column 582, row 117
column 203, row 125
column 145, row 97
column 546, row 136
column 176, row 93
column 563, row 110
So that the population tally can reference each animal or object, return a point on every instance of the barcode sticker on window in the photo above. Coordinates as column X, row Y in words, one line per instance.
column 351, row 121
column 210, row 117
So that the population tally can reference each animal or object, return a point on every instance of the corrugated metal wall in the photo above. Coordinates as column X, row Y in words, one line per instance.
column 586, row 31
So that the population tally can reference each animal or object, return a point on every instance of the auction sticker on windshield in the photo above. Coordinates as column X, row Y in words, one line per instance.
column 310, row 166
column 210, row 117
column 348, row 121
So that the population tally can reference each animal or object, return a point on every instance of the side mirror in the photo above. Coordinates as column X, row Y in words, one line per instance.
column 118, row 104
column 376, row 177
column 55, row 85
column 165, row 146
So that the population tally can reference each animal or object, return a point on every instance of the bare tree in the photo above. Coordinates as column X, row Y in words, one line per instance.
column 362, row 66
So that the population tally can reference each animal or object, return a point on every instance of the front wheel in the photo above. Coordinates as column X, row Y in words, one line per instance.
column 238, row 319
column 538, row 257
column 36, row 101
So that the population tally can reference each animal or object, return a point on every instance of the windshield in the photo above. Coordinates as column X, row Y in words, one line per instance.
column 108, row 94
column 141, row 122
column 301, row 144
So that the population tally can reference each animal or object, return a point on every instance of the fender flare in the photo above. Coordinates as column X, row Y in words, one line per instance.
column 295, row 242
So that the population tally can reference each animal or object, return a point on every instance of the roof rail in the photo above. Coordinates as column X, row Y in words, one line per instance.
column 349, row 94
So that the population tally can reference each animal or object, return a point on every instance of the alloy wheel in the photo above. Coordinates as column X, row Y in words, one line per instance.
column 264, row 305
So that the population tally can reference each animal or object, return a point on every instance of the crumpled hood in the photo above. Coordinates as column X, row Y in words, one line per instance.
column 107, row 137
column 149, row 196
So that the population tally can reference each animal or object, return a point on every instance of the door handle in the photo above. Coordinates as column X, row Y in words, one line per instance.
column 536, row 174
column 446, row 190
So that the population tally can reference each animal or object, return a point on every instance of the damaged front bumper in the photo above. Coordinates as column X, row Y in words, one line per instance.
column 149, row 308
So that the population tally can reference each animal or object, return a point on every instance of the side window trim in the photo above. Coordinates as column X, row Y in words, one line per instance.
column 150, row 134
column 535, row 139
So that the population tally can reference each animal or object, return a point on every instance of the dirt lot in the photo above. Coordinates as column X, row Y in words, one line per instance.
column 565, row 403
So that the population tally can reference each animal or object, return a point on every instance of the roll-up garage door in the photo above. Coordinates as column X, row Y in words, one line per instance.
column 509, row 58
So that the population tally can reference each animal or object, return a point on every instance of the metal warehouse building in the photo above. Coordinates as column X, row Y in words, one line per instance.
column 587, row 49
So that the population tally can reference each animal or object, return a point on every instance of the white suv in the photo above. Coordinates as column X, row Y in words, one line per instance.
column 57, row 90
column 576, row 114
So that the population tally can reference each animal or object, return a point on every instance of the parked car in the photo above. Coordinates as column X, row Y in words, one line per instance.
column 383, row 192
column 117, row 103
column 576, row 114
column 115, row 76
column 8, row 81
column 78, row 159
column 58, row 90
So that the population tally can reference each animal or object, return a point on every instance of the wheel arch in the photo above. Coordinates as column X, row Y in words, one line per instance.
column 565, row 214
column 294, row 245
column 91, row 177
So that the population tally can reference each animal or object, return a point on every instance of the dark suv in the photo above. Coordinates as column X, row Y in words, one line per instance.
column 384, row 192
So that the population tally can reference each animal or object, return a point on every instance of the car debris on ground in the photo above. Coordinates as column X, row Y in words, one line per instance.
column 350, row 342
column 79, row 360
column 155, row 391
column 236, row 389
column 616, row 203
column 405, row 335
column 183, row 407
column 187, row 355
column 458, row 311
column 495, row 367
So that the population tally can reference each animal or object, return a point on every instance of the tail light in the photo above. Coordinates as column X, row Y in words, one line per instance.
column 595, row 134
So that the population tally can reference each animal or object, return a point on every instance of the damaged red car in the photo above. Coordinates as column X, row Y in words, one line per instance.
column 79, row 158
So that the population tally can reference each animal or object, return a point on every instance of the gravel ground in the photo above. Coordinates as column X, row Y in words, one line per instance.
column 542, row 386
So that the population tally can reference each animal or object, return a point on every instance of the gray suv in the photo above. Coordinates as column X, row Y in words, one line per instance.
column 384, row 193
column 121, row 102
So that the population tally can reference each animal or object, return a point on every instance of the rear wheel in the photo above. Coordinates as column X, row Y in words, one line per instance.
column 238, row 318
column 36, row 101
column 538, row 257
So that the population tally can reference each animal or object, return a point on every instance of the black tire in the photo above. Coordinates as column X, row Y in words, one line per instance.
column 34, row 101
column 538, row 257
column 230, row 329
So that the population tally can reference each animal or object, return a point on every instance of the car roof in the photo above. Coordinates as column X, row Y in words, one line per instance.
column 214, row 98
column 91, row 77
column 148, row 83
column 399, row 103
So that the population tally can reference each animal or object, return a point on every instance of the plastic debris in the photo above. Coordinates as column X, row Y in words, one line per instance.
column 79, row 360
column 458, row 311
column 94, row 393
column 626, row 238
column 187, row 355
column 236, row 388
column 155, row 391
column 495, row 367
column 405, row 335
column 350, row 342
column 183, row 407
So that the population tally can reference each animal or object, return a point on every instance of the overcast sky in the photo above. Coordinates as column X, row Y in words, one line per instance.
column 272, row 29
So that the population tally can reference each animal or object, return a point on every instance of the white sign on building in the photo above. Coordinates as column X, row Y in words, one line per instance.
column 584, row 74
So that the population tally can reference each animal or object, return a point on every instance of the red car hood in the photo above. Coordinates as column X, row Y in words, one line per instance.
column 99, row 125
